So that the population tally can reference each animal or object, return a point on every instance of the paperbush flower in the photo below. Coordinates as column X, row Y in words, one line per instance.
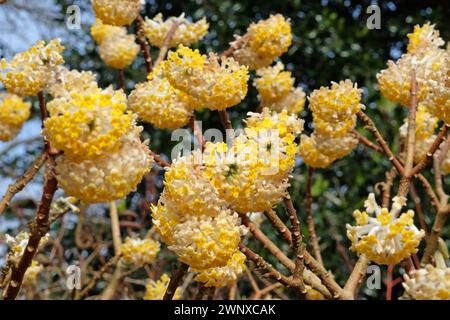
column 32, row 273
column 117, row 12
column 438, row 96
column 101, row 31
column 429, row 283
column 155, row 290
column 13, row 113
column 138, row 252
column 216, row 85
column 157, row 102
column 336, row 148
column 263, row 42
column 424, row 38
column 86, row 124
column 18, row 243
column 387, row 238
column 63, row 82
column 119, row 51
column 223, row 276
column 27, row 73
column 310, row 153
column 187, row 33
column 109, row 177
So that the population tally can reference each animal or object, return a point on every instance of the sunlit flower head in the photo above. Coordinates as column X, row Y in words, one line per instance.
column 155, row 290
column 32, row 273
column 117, row 12
column 187, row 32
column 216, row 84
column 424, row 38
column 273, row 83
column 388, row 237
column 13, row 113
column 311, row 154
column 437, row 99
column 119, row 52
column 429, row 283
column 27, row 73
column 101, row 31
column 138, row 252
column 63, row 81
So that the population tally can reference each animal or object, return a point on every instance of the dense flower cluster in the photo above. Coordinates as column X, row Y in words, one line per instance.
column 263, row 42
column 217, row 85
column 27, row 73
column 195, row 222
column 138, row 252
column 155, row 290
column 252, row 175
column 117, row 12
column 187, row 32
column 334, row 116
column 438, row 97
column 157, row 102
column 110, row 176
column 32, row 273
column 429, row 283
column 387, row 238
column 119, row 51
column 276, row 89
column 101, row 31
column 425, row 57
column 87, row 123
column 63, row 81
column 13, row 113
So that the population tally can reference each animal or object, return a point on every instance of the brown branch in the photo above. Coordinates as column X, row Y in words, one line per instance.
column 121, row 79
column 419, row 209
column 166, row 43
column 145, row 48
column 17, row 186
column 309, row 216
column 432, row 241
column 429, row 190
column 387, row 186
column 225, row 119
column 40, row 230
column 161, row 162
column 279, row 225
column 356, row 277
column 197, row 132
column 175, row 279
column 362, row 139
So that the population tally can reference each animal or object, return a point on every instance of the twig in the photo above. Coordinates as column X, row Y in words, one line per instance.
column 362, row 139
column 166, row 43
column 175, row 279
column 115, row 227
column 357, row 275
column 161, row 162
column 279, row 225
column 197, row 133
column 309, row 216
column 419, row 209
column 145, row 48
column 16, row 187
column 121, row 79
column 225, row 119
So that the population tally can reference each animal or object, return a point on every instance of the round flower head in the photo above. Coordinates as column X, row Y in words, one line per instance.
column 117, row 12
column 157, row 102
column 293, row 102
column 216, row 85
column 263, row 42
column 426, row 124
column 205, row 242
column 139, row 252
column 13, row 113
column 273, row 83
column 429, row 283
column 18, row 243
column 424, row 38
column 63, row 81
column 438, row 96
column 333, row 129
column 223, row 276
column 310, row 153
column 336, row 148
column 187, row 32
column 395, row 81
column 101, row 31
column 387, row 238
column 86, row 124
column 336, row 104
column 107, row 178
column 27, row 73
column 119, row 52
column 155, row 290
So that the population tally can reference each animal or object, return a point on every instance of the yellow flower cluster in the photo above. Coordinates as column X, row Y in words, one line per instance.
column 387, row 238
column 63, row 82
column 155, row 290
column 117, row 12
column 216, row 85
column 194, row 222
column 276, row 89
column 157, row 102
column 425, row 126
column 86, row 124
column 429, row 283
column 253, row 174
column 187, row 33
column 424, row 56
column 264, row 41
column 101, row 31
column 138, row 252
column 27, row 73
column 334, row 116
column 438, row 96
column 18, row 243
column 13, row 113
column 110, row 176
column 32, row 273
